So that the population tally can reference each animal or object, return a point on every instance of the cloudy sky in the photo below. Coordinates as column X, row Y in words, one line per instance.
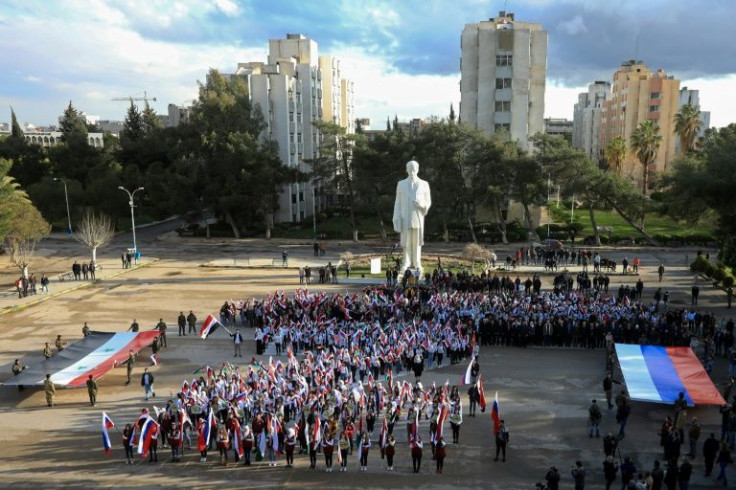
column 403, row 55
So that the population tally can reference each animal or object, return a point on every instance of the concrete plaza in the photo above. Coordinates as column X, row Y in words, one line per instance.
column 543, row 393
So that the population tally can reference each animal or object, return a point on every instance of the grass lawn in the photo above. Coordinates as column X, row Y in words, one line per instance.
column 655, row 224
column 335, row 228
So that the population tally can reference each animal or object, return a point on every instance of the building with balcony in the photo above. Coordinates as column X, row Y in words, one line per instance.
column 503, row 69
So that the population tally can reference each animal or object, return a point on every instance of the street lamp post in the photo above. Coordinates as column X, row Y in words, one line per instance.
column 66, row 197
column 131, row 197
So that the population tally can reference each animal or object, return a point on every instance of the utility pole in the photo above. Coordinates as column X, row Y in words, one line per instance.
column 131, row 197
column 66, row 197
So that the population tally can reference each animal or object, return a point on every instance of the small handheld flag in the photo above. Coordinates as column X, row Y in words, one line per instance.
column 496, row 415
column 481, row 394
column 107, row 423
column 468, row 378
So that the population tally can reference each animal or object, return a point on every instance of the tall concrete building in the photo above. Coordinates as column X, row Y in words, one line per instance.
column 638, row 95
column 587, row 119
column 502, row 77
column 692, row 97
column 293, row 89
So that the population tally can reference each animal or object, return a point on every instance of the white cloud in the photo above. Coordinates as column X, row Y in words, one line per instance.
column 94, row 62
column 382, row 91
column 31, row 78
column 573, row 27
column 716, row 96
column 228, row 7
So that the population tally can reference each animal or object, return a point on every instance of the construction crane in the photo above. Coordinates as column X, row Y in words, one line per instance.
column 132, row 98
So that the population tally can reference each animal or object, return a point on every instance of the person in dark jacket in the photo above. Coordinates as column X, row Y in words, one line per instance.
column 684, row 473
column 553, row 479
column 710, row 451
column 578, row 475
column 628, row 470
column 610, row 468
column 657, row 476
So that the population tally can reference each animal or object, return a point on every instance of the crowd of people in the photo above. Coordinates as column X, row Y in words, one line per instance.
column 338, row 392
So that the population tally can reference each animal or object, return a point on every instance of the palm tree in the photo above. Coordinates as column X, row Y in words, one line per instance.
column 615, row 153
column 645, row 142
column 687, row 125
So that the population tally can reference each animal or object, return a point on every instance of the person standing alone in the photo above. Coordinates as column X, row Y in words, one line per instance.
column 92, row 390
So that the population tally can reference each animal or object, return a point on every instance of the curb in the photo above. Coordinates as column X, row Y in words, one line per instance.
column 43, row 299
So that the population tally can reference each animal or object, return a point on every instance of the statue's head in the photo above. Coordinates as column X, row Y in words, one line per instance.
column 412, row 168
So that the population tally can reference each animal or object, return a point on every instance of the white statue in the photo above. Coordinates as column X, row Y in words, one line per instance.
column 412, row 203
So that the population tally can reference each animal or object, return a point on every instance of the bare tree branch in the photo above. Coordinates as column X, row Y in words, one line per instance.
column 94, row 231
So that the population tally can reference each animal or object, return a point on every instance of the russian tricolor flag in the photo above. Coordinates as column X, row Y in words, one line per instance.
column 658, row 374
column 496, row 415
column 107, row 423
column 210, row 325
column 144, row 442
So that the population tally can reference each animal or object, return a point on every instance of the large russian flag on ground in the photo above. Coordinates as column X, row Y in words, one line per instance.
column 210, row 325
column 107, row 423
column 658, row 374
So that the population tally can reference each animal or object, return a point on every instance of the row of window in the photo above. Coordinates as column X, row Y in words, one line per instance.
column 504, row 60
column 502, row 83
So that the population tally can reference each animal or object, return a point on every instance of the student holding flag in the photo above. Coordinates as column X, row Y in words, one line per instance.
column 128, row 442
column 328, row 446
column 342, row 456
column 248, row 442
column 390, row 451
column 416, row 454
column 363, row 448
column 439, row 454
column 456, row 417
column 289, row 446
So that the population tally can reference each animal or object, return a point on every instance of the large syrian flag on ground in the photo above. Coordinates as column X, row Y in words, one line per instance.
column 94, row 355
column 210, row 325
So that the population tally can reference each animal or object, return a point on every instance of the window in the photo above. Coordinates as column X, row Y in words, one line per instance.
column 503, row 83
column 656, row 95
column 503, row 106
column 504, row 59
column 653, row 108
column 503, row 128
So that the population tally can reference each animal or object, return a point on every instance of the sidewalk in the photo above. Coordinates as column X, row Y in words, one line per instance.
column 10, row 303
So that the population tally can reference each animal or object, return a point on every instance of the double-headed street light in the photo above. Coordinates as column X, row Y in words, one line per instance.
column 131, row 197
column 66, row 196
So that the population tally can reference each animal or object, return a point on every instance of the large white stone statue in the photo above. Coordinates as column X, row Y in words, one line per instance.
column 412, row 203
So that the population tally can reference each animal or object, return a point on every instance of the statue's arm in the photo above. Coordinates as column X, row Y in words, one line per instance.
column 424, row 199
column 397, row 209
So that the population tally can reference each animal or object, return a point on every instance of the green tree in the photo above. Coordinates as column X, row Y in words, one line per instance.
column 333, row 166
column 30, row 162
column 376, row 167
column 615, row 154
column 645, row 141
column 708, row 179
column 230, row 156
column 72, row 126
column 15, row 130
column 132, row 125
column 11, row 195
column 687, row 125
column 151, row 121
